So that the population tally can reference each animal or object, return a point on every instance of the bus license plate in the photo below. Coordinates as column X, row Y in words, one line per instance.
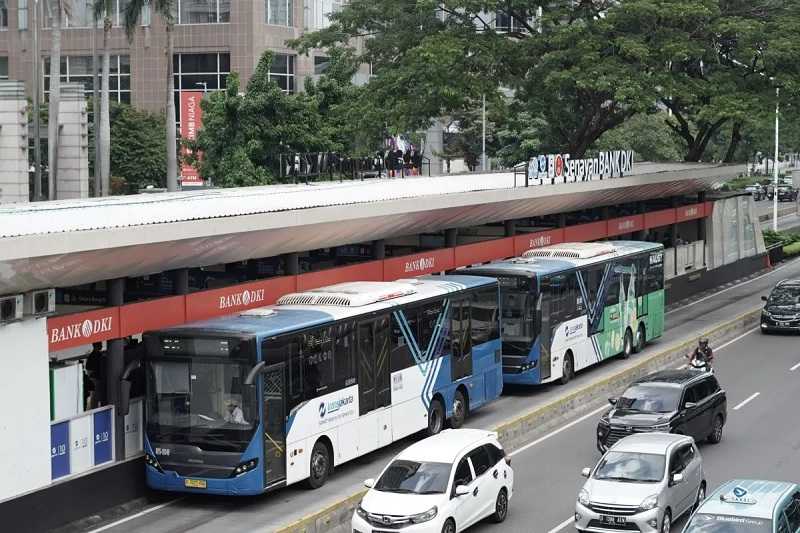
column 613, row 520
column 195, row 483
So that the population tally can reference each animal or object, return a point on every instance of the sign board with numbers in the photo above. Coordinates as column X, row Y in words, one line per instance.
column 82, row 442
column 59, row 450
column 80, row 445
column 102, row 436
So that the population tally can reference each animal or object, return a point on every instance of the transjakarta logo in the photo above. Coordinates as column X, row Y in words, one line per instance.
column 243, row 298
column 573, row 329
column 81, row 330
column 335, row 405
column 541, row 240
column 423, row 263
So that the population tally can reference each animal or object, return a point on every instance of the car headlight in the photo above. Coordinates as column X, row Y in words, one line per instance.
column 663, row 428
column 651, row 502
column 583, row 497
column 427, row 516
column 361, row 512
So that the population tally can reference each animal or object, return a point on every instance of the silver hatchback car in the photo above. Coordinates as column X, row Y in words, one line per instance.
column 643, row 483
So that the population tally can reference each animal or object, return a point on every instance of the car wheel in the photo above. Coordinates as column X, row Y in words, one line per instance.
column 449, row 526
column 320, row 465
column 716, row 431
column 500, row 507
column 567, row 368
column 641, row 339
column 627, row 344
column 666, row 522
column 701, row 495
column 436, row 417
column 459, row 410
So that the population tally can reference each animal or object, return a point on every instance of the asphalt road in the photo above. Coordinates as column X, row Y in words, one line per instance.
column 269, row 512
column 761, row 438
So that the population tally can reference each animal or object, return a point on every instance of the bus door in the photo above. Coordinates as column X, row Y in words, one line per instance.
column 461, row 335
column 546, row 334
column 274, row 388
column 374, row 378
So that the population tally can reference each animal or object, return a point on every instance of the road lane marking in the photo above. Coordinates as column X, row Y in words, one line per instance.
column 562, row 525
column 771, row 272
column 134, row 516
column 795, row 367
column 559, row 430
column 748, row 400
column 737, row 339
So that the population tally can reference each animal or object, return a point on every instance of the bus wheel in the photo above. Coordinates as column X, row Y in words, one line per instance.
column 436, row 417
column 641, row 339
column 627, row 344
column 459, row 410
column 568, row 368
column 320, row 465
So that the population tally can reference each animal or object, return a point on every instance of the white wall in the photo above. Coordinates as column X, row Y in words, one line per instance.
column 24, row 408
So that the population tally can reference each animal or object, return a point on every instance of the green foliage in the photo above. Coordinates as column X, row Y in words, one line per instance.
column 792, row 249
column 647, row 135
column 780, row 237
column 138, row 147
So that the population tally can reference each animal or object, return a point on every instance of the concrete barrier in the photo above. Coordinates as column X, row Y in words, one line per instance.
column 517, row 431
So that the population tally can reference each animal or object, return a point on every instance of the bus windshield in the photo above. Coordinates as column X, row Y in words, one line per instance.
column 201, row 403
column 518, row 305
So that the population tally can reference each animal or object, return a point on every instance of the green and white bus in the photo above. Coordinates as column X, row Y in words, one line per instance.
column 568, row 306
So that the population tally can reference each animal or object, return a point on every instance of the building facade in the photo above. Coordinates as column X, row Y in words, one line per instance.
column 212, row 39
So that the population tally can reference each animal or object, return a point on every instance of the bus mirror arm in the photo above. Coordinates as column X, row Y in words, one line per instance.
column 124, row 406
column 251, row 377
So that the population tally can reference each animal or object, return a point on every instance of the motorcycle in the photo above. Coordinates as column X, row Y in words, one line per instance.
column 698, row 364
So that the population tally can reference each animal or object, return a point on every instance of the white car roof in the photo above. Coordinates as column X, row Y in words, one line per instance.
column 446, row 446
column 655, row 443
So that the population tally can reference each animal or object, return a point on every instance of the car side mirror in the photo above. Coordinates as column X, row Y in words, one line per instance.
column 677, row 478
column 763, row 298
column 586, row 472
column 462, row 490
column 369, row 483
column 689, row 405
column 612, row 401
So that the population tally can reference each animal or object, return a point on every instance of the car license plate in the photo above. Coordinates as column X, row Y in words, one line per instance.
column 613, row 520
column 195, row 483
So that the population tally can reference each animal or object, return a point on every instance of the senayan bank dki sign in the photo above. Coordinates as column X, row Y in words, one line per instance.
column 561, row 168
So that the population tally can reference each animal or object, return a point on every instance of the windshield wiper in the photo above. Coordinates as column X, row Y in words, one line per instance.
column 623, row 479
column 431, row 492
column 397, row 491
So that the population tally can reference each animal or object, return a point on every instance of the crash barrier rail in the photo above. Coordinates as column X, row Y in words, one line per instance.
column 775, row 252
column 518, row 431
column 316, row 166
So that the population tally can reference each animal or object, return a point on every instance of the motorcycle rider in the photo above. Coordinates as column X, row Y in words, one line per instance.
column 703, row 355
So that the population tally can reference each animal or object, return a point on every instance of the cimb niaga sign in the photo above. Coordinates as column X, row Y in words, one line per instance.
column 561, row 168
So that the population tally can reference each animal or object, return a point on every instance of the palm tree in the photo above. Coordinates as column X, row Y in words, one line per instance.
column 166, row 10
column 104, row 9
column 56, row 8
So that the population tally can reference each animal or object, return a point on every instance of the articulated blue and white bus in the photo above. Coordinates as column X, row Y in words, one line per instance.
column 248, row 403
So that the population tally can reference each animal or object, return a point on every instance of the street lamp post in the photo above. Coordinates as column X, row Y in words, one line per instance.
column 775, row 162
column 37, row 134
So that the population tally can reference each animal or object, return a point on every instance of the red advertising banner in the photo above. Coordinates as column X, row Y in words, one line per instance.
column 409, row 266
column 480, row 252
column 539, row 239
column 656, row 219
column 690, row 212
column 68, row 331
column 191, row 122
column 586, row 232
column 236, row 298
column 623, row 225
column 150, row 315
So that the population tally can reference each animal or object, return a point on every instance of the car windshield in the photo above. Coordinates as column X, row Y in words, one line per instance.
column 717, row 523
column 630, row 467
column 412, row 477
column 785, row 297
column 650, row 399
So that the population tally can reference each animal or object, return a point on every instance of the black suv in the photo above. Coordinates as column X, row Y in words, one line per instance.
column 782, row 308
column 689, row 402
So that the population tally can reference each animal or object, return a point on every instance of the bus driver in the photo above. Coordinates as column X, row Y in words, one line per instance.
column 234, row 413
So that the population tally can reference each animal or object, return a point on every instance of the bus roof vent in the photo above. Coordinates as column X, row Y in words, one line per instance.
column 352, row 294
column 573, row 250
column 261, row 312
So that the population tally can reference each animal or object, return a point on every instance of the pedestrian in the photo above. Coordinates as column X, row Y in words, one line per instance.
column 407, row 162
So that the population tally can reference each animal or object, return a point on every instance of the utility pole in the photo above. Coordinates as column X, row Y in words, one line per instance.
column 775, row 163
column 37, row 87
column 483, row 150
column 98, row 186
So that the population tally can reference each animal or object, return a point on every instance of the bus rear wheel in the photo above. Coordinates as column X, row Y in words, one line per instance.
column 320, row 465
column 436, row 417
column 568, row 368
column 641, row 339
column 627, row 344
column 459, row 410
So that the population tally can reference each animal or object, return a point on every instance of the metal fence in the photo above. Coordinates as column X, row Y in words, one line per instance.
column 319, row 166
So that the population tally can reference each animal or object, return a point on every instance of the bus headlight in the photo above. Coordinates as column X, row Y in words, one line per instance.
column 245, row 466
column 427, row 516
column 152, row 462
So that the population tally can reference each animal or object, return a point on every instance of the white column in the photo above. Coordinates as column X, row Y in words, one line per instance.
column 73, row 151
column 13, row 143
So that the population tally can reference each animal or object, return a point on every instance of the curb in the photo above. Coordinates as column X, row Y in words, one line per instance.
column 513, row 433
column 781, row 213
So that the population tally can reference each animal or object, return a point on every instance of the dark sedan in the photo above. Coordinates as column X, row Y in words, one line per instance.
column 782, row 308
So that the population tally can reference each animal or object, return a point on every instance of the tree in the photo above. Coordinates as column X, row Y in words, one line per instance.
column 648, row 135
column 104, row 9
column 56, row 8
column 164, row 9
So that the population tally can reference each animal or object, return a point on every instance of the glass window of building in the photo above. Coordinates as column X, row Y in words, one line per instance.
column 203, row 11
column 200, row 72
column 280, row 12
column 4, row 14
column 78, row 69
column 318, row 12
column 282, row 72
column 321, row 64
column 22, row 14
column 3, row 68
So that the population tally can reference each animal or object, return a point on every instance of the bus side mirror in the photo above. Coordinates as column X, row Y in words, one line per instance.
column 124, row 406
column 763, row 298
column 251, row 377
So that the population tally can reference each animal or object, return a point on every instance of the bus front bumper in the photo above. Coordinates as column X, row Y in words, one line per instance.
column 248, row 484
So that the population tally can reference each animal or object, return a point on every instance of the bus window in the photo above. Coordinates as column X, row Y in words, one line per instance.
column 401, row 352
column 428, row 319
column 460, row 330
column 295, row 365
column 518, row 322
column 317, row 351
column 344, row 354
column 612, row 294
column 655, row 273
column 485, row 322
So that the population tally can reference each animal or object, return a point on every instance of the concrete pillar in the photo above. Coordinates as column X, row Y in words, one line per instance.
column 292, row 263
column 73, row 147
column 451, row 238
column 510, row 228
column 13, row 143
column 434, row 145
column 180, row 281
column 606, row 211
column 115, row 365
column 379, row 249
column 562, row 220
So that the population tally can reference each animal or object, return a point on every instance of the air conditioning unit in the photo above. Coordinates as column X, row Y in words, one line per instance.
column 10, row 308
column 40, row 303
